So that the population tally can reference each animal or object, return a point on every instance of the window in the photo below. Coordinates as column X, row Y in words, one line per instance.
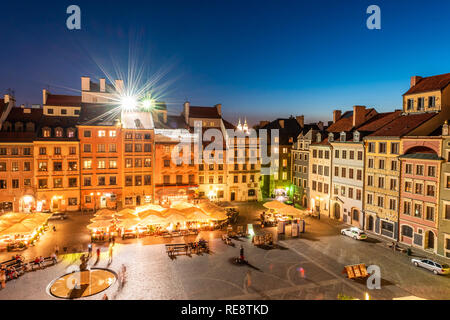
column 370, row 163
column 101, row 164
column 87, row 199
column 138, row 180
column 327, row 154
column 344, row 154
column 147, row 147
column 42, row 184
column 380, row 202
column 42, row 150
column 431, row 102
column 27, row 166
column 15, row 166
column 129, row 181
column 166, row 163
column 57, row 166
column 355, row 215
column 138, row 163
column 359, row 174
column 112, row 180
column 87, row 148
column 431, row 171
column 370, row 181
column 87, row 133
column 336, row 154
column 42, row 166
column 394, row 165
column 419, row 170
column 15, row 183
column 381, row 164
column 394, row 147
column 382, row 147
column 380, row 182
column 352, row 155
column 147, row 162
column 419, row 188
column 72, row 150
column 408, row 186
column 417, row 210
column 420, row 103
column 407, row 231
column 430, row 190
column 407, row 208
column 14, row 151
column 87, row 164
column 360, row 155
column 408, row 168
column 73, row 166
column 369, row 198
column 343, row 172
column 101, row 133
column 138, row 147
column 336, row 171
column 392, row 204
column 112, row 133
column 350, row 173
column 87, row 181
column 350, row 193
column 147, row 180
column 430, row 213
column 410, row 104
column 72, row 182
column 27, row 151
column 73, row 201
column 128, row 147
column 447, row 212
column 358, row 194
column 3, row 151
column 112, row 147
column 101, row 148
column 27, row 182
column 113, row 164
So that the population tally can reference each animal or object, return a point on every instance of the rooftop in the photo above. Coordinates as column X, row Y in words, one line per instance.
column 63, row 100
column 432, row 83
column 402, row 125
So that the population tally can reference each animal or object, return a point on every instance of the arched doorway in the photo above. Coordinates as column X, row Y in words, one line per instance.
column 337, row 210
column 370, row 223
column 429, row 240
column 304, row 202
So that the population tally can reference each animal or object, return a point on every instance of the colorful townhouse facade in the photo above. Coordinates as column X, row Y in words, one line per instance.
column 443, row 236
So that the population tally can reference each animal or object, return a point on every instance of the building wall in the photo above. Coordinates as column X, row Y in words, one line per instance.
column 440, row 100
column 17, row 177
column 320, row 184
column 348, row 182
column 57, row 175
column 96, row 195
column 380, row 217
column 443, row 239
column 300, row 168
column 137, row 160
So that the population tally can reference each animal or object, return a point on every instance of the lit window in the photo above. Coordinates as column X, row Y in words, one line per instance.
column 101, row 133
column 112, row 133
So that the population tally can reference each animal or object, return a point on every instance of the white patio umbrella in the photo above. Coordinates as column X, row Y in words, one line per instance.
column 275, row 205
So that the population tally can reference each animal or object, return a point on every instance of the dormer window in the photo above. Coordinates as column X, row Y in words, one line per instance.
column 318, row 137
column 331, row 137
column 71, row 133
column 342, row 139
column 138, row 123
column 30, row 127
column 46, row 132
column 59, row 132
column 18, row 127
column 356, row 136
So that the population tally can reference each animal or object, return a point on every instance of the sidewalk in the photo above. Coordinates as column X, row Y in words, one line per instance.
column 415, row 252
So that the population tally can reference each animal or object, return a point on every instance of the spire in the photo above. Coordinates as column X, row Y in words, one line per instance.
column 239, row 126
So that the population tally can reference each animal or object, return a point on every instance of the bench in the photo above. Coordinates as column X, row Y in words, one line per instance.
column 172, row 249
column 356, row 271
column 48, row 261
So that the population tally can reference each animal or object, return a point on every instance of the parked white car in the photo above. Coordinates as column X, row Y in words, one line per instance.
column 354, row 233
column 431, row 265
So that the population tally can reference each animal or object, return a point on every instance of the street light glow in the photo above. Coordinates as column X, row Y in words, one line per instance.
column 128, row 103
column 148, row 104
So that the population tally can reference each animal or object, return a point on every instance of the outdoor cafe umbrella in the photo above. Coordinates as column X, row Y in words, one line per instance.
column 171, row 211
column 181, row 205
column 274, row 204
column 125, row 215
column 149, row 206
column 175, row 218
column 210, row 208
column 148, row 212
column 13, row 217
column 218, row 216
column 128, row 223
column 101, row 224
column 152, row 220
column 197, row 215
column 104, row 212
column 17, row 228
column 291, row 211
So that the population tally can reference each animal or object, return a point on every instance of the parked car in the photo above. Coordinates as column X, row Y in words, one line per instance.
column 58, row 216
column 354, row 233
column 431, row 265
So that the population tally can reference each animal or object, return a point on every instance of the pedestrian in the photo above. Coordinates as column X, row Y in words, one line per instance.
column 105, row 297
column 110, row 252
column 54, row 259
column 56, row 250
column 54, row 228
column 113, row 239
column 98, row 253
column 3, row 278
column 241, row 254
column 302, row 272
column 89, row 250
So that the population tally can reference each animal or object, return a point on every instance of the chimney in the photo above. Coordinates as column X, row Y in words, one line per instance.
column 219, row 109
column 301, row 120
column 8, row 98
column 320, row 125
column 85, row 84
column 119, row 86
column 415, row 80
column 445, row 128
column 263, row 123
column 44, row 96
column 359, row 115
column 281, row 122
column 336, row 115
column 330, row 123
column 186, row 111
column 102, row 85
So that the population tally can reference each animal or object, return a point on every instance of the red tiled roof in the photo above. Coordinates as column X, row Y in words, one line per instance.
column 203, row 112
column 63, row 100
column 403, row 125
column 345, row 123
column 432, row 83
column 379, row 121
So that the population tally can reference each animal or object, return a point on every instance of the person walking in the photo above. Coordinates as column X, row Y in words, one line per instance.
column 110, row 253
column 3, row 278
column 56, row 250
column 105, row 297
column 98, row 254
column 241, row 254
column 89, row 250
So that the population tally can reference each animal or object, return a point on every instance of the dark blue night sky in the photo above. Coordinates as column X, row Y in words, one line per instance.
column 264, row 59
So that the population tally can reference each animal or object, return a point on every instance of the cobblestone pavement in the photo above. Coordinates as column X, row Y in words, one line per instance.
column 271, row 274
